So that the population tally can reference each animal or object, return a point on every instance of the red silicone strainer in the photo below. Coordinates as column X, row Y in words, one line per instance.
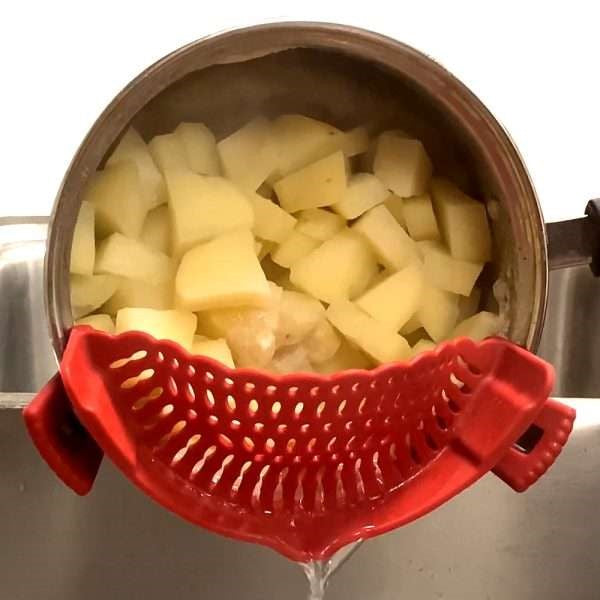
column 302, row 463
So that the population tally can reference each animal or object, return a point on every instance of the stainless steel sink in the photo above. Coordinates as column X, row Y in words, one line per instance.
column 489, row 543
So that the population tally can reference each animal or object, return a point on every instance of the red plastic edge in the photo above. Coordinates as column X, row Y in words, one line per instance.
column 60, row 439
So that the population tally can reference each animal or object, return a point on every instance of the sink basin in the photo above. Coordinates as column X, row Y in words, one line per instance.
column 488, row 543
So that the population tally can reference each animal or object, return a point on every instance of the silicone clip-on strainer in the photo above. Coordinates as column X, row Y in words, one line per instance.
column 302, row 463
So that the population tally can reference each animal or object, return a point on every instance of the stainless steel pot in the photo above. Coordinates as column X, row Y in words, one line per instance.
column 340, row 74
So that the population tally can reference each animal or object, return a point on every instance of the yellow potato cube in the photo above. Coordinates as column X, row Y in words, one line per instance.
column 217, row 349
column 88, row 292
column 249, row 155
column 402, row 164
column 319, row 223
column 356, row 141
column 463, row 222
column 395, row 205
column 132, row 147
column 347, row 357
column 379, row 341
column 420, row 218
column 176, row 325
column 290, row 359
column 156, row 232
column 438, row 313
column 396, row 299
column 138, row 294
column 321, row 183
column 117, row 197
column 99, row 322
column 411, row 325
column 392, row 245
column 83, row 248
column 265, row 249
column 271, row 222
column 293, row 249
column 422, row 346
column 222, row 273
column 299, row 314
column 203, row 207
column 200, row 148
column 364, row 191
column 448, row 273
column 122, row 256
column 339, row 269
column 469, row 305
column 168, row 153
column 322, row 342
column 479, row 326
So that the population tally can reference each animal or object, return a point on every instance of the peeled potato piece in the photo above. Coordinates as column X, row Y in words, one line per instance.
column 100, row 322
column 217, row 349
column 298, row 316
column 271, row 222
column 131, row 293
column 322, row 342
column 346, row 357
column 364, row 191
column 296, row 246
column 395, row 205
column 468, row 305
column 420, row 218
column 168, row 153
column 356, row 141
column 156, row 232
column 479, row 326
column 290, row 359
column 319, row 223
column 200, row 148
column 422, row 346
column 438, row 313
column 89, row 292
column 83, row 249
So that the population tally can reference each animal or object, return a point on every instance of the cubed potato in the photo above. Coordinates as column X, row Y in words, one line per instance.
column 347, row 357
column 222, row 273
column 402, row 164
column 217, row 349
column 356, row 141
column 469, row 305
column 290, row 359
column 138, row 294
column 156, row 232
column 392, row 245
column 176, row 325
column 322, row 342
column 271, row 222
column 448, row 273
column 203, row 208
column 395, row 205
column 89, row 292
column 364, row 191
column 168, row 153
column 321, row 183
column 319, row 223
column 379, row 277
column 420, row 218
column 412, row 325
column 132, row 147
column 379, row 341
column 299, row 314
column 200, row 148
column 83, row 248
column 293, row 249
column 463, row 222
column 265, row 249
column 479, row 326
column 422, row 346
column 339, row 269
column 249, row 155
column 438, row 313
column 396, row 299
column 99, row 322
column 117, row 198
column 124, row 257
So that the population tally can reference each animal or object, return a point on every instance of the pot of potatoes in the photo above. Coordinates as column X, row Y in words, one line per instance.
column 298, row 197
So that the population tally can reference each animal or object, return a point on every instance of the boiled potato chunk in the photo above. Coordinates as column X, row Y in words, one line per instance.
column 422, row 346
column 299, row 314
column 200, row 148
column 217, row 349
column 321, row 183
column 117, row 197
column 290, row 359
column 479, row 326
column 100, row 322
column 448, row 273
column 469, row 305
column 402, row 164
column 83, row 248
column 138, row 294
column 156, row 232
column 222, row 273
column 392, row 245
column 122, row 256
column 379, row 341
column 249, row 155
column 322, row 342
column 132, row 148
column 420, row 218
column 339, row 269
column 411, row 325
column 438, row 313
column 176, row 325
column 356, row 141
column 347, row 357
column 364, row 191
column 463, row 222
column 270, row 221
column 168, row 153
column 293, row 249
column 89, row 292
column 396, row 299
column 319, row 223
column 395, row 205
column 203, row 207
